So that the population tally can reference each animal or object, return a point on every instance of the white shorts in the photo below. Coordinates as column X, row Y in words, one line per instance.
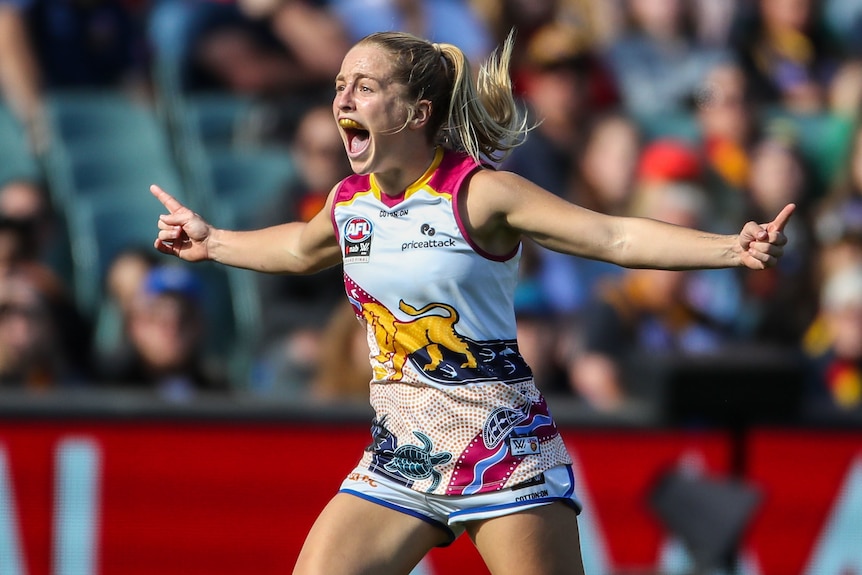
column 450, row 512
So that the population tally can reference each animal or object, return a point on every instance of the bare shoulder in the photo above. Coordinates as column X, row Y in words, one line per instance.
column 497, row 182
column 493, row 192
column 490, row 196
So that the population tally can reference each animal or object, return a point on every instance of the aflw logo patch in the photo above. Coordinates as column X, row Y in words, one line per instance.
column 357, row 240
column 528, row 445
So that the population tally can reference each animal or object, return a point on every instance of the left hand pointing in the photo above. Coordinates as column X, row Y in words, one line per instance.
column 761, row 245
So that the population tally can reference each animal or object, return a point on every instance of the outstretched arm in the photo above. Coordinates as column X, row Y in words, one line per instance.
column 501, row 207
column 295, row 247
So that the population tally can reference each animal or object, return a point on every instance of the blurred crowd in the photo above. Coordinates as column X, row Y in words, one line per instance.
column 704, row 113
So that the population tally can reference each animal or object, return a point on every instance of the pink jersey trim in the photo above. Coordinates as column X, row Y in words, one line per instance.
column 347, row 189
column 460, row 173
column 392, row 201
column 449, row 178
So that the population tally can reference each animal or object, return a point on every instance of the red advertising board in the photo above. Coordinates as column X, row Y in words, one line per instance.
column 222, row 498
column 810, row 521
column 617, row 474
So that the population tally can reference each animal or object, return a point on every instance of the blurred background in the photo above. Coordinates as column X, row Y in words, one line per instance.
column 174, row 418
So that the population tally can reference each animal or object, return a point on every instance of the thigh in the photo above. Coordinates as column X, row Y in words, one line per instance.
column 537, row 541
column 353, row 536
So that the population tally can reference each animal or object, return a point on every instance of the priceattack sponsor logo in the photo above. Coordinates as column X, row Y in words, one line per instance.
column 430, row 243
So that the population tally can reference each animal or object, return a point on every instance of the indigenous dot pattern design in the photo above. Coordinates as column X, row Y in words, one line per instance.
column 455, row 422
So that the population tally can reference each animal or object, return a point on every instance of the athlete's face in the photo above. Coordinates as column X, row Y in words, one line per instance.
column 370, row 109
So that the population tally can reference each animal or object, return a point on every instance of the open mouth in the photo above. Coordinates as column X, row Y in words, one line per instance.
column 357, row 136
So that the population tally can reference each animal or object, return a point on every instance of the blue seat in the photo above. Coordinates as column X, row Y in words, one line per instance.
column 680, row 125
column 80, row 116
column 240, row 182
column 100, row 227
column 216, row 118
column 124, row 172
column 106, row 143
column 17, row 161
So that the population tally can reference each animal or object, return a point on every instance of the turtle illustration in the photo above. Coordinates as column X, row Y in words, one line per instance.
column 417, row 462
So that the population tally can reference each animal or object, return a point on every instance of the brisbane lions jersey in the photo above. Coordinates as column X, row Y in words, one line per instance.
column 456, row 409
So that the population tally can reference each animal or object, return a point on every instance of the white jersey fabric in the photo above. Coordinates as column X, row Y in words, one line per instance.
column 456, row 409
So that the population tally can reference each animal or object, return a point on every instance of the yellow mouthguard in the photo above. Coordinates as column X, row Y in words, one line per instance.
column 349, row 124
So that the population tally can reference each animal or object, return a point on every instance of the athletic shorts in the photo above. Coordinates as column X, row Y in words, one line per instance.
column 450, row 512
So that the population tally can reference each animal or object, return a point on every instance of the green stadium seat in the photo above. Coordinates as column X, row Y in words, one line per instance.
column 106, row 143
column 17, row 161
column 216, row 118
column 100, row 227
column 240, row 182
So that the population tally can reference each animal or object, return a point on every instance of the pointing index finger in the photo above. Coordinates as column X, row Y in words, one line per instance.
column 781, row 219
column 167, row 200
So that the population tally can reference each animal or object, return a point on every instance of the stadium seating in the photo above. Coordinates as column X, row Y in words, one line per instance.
column 103, row 226
column 241, row 182
column 217, row 118
column 106, row 143
column 16, row 159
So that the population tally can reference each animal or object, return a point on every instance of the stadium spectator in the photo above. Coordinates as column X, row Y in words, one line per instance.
column 781, row 303
column 838, row 232
column 342, row 372
column 555, row 89
column 834, row 343
column 166, row 330
column 26, row 200
column 657, row 61
column 30, row 249
column 20, row 75
column 556, row 80
column 596, row 22
column 640, row 316
column 123, row 280
column 274, row 48
column 452, row 21
column 727, row 122
column 602, row 178
column 282, row 55
column 844, row 93
column 47, row 45
column 838, row 255
column 32, row 355
column 298, row 307
column 787, row 54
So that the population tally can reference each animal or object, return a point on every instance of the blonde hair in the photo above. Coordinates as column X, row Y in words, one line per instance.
column 481, row 119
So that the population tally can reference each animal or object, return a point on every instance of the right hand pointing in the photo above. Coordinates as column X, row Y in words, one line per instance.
column 182, row 232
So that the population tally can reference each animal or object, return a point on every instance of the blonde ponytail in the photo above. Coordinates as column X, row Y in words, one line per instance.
column 484, row 119
column 481, row 119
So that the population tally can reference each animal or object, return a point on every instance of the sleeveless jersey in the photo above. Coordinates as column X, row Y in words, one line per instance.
column 456, row 408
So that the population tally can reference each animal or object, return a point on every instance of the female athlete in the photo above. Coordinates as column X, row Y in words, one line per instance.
column 430, row 236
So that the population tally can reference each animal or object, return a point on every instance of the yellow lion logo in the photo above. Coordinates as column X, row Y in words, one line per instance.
column 398, row 339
